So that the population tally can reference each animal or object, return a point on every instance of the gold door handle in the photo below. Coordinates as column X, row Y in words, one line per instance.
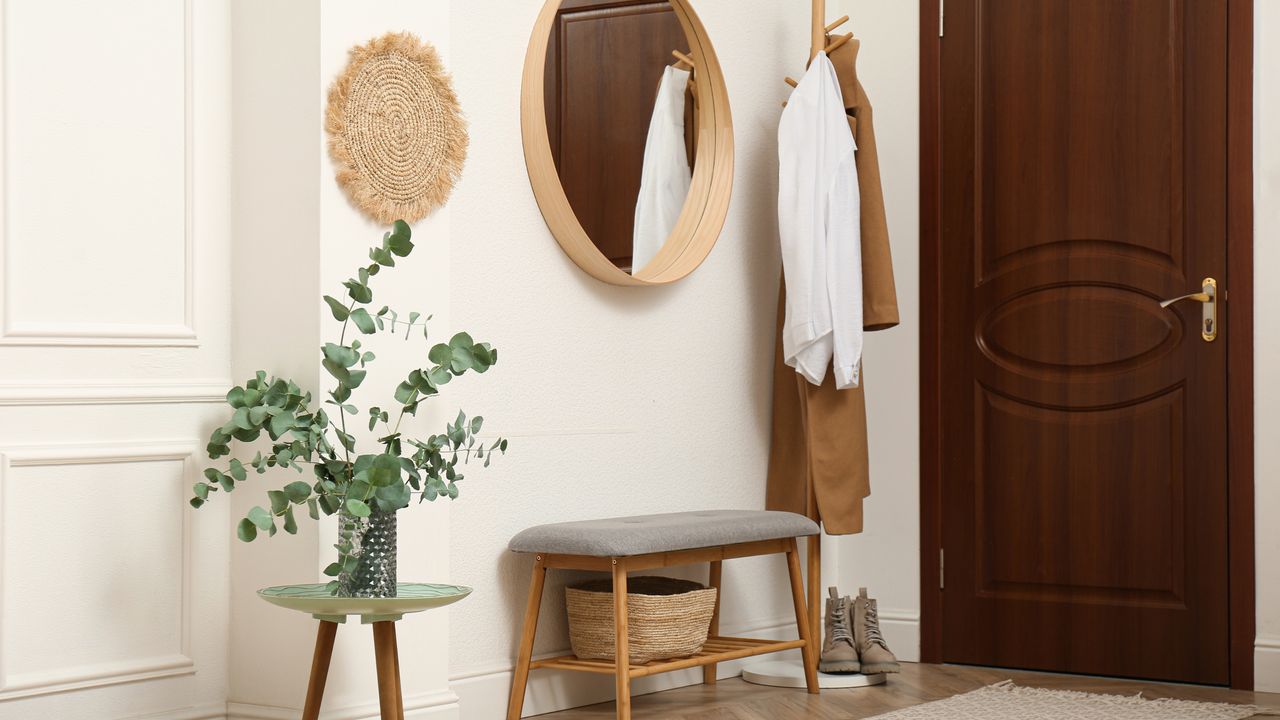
column 1208, row 297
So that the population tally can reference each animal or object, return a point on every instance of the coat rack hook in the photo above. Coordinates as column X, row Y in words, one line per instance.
column 684, row 59
column 838, row 42
column 837, row 24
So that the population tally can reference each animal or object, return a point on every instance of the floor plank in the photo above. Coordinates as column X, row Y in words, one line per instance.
column 737, row 700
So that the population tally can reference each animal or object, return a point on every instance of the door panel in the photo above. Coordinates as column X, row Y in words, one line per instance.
column 1084, row 490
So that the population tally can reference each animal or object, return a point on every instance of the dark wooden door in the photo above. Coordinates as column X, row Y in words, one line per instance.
column 1083, row 428
column 604, row 63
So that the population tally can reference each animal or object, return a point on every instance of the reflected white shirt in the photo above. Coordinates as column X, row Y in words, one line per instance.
column 665, row 178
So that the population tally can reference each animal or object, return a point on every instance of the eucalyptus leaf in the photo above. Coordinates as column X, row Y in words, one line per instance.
column 340, row 311
column 297, row 491
column 246, row 530
column 440, row 354
column 279, row 501
column 363, row 321
column 358, row 508
column 261, row 518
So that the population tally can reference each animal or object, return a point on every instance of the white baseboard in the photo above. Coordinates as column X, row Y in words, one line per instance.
column 1266, row 664
column 901, row 630
column 211, row 711
column 482, row 695
column 439, row 705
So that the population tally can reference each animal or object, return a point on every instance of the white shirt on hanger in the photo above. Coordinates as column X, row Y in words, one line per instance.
column 665, row 177
column 819, row 227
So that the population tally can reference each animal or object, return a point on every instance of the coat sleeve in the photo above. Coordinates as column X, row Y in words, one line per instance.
column 879, row 292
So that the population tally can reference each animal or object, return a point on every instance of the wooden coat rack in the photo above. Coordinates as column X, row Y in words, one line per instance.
column 820, row 40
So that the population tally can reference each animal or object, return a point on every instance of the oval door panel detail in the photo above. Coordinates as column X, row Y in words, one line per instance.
column 1089, row 328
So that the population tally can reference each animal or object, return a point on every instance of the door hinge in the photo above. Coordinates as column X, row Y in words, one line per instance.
column 942, row 17
column 942, row 569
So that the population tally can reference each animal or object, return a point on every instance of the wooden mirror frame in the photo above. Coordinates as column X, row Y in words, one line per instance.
column 702, row 218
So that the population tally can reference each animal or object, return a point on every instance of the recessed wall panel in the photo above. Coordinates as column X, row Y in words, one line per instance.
column 95, row 154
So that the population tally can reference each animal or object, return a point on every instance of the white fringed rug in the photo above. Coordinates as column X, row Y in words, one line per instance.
column 1006, row 701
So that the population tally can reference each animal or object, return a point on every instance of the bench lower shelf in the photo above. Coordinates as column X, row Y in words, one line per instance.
column 717, row 650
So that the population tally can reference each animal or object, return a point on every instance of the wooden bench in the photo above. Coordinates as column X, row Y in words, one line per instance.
column 620, row 545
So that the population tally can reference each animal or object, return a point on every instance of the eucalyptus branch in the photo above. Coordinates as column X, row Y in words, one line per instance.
column 350, row 484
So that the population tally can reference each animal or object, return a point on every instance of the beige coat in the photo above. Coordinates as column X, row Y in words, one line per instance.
column 818, row 463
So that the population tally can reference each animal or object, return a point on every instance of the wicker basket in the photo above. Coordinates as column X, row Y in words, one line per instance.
column 666, row 618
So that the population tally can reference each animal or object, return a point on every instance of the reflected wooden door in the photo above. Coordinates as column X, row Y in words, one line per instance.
column 1084, row 483
column 599, row 106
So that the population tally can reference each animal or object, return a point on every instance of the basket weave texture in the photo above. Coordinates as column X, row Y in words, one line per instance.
column 396, row 132
column 666, row 618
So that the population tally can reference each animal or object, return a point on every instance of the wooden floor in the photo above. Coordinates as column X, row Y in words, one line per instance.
column 737, row 700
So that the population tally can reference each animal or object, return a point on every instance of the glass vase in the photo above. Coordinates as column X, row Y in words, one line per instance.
column 373, row 541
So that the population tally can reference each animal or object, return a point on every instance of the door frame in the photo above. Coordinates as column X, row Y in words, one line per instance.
column 1239, row 339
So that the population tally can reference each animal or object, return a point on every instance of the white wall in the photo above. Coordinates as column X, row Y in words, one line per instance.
column 114, row 347
column 1267, row 338
column 616, row 400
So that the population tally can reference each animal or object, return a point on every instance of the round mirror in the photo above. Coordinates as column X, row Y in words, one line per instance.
column 627, row 136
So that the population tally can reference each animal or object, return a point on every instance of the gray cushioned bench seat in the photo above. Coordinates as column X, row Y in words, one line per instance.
column 641, row 534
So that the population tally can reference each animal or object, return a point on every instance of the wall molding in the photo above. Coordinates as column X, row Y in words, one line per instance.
column 14, row 331
column 115, row 672
column 123, row 392
column 434, row 704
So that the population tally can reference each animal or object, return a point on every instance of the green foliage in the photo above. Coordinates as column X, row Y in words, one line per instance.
column 302, row 436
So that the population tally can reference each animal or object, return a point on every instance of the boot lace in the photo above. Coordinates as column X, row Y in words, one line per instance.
column 840, row 629
column 873, row 626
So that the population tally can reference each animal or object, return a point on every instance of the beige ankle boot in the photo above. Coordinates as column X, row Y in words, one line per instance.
column 873, row 652
column 838, row 652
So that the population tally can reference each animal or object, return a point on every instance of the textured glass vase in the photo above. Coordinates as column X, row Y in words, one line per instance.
column 374, row 546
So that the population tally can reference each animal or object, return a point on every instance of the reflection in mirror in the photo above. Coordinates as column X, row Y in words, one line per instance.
column 620, row 110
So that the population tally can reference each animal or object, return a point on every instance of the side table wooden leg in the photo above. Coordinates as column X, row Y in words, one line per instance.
column 709, row 671
column 395, row 648
column 319, row 669
column 384, row 651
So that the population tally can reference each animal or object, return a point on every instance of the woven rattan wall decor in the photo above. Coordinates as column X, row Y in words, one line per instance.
column 396, row 132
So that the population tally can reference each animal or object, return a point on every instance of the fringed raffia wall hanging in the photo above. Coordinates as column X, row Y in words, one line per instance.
column 396, row 133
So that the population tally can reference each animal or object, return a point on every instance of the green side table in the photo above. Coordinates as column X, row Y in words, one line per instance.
column 381, row 613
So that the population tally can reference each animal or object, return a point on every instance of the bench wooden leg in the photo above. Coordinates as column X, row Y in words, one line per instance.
column 816, row 595
column 802, row 618
column 622, row 653
column 319, row 669
column 709, row 671
column 520, row 679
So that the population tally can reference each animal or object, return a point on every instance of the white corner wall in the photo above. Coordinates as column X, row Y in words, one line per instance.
column 298, row 238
